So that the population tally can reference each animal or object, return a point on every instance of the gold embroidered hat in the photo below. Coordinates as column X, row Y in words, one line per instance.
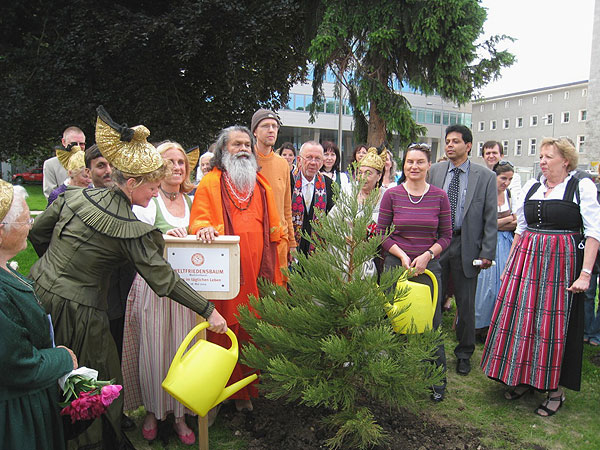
column 125, row 148
column 374, row 159
column 6, row 197
column 193, row 155
column 71, row 159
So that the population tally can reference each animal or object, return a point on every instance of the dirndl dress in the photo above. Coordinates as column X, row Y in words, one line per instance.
column 536, row 332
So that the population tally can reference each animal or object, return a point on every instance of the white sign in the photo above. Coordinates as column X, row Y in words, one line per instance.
column 204, row 269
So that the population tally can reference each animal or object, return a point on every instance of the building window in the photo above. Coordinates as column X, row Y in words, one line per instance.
column 584, row 92
column 481, row 126
column 582, row 115
column 506, row 124
column 549, row 98
column 493, row 106
column 480, row 149
column 520, row 102
column 532, row 146
column 492, row 124
column 518, row 147
column 566, row 116
column 519, row 122
column 481, row 108
column 566, row 95
column 505, row 147
column 534, row 100
column 581, row 143
column 506, row 104
column 533, row 120
column 549, row 118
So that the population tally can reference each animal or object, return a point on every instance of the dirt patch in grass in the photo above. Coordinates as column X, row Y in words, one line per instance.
column 275, row 424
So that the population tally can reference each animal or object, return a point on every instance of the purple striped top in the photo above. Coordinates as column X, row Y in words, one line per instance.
column 416, row 227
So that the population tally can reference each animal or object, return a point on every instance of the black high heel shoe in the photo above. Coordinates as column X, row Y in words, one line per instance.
column 544, row 406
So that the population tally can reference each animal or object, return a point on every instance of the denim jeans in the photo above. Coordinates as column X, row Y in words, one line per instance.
column 592, row 317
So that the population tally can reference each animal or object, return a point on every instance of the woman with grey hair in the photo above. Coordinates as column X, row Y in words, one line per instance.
column 31, row 365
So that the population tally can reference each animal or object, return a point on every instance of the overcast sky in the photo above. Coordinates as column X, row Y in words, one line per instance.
column 552, row 46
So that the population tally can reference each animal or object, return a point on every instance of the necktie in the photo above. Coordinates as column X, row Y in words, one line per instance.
column 453, row 189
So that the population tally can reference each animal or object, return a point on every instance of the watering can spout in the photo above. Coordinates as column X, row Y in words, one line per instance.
column 230, row 390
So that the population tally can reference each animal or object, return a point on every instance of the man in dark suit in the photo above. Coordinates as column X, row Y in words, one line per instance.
column 472, row 192
column 311, row 191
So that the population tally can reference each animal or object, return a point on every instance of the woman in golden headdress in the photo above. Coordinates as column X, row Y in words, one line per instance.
column 83, row 236
column 79, row 175
column 146, row 357
column 29, row 393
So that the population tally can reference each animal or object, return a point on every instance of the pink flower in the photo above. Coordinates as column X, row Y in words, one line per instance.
column 110, row 393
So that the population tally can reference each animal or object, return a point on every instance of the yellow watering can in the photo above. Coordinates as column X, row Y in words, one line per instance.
column 421, row 306
column 198, row 378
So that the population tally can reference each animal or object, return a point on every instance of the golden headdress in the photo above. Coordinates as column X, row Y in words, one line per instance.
column 193, row 155
column 6, row 197
column 73, row 159
column 374, row 159
column 126, row 148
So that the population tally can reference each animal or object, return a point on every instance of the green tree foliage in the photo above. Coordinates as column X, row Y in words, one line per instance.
column 376, row 48
column 328, row 342
column 185, row 69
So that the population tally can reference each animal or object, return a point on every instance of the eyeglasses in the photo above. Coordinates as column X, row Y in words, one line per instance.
column 503, row 163
column 317, row 159
column 29, row 222
column 419, row 146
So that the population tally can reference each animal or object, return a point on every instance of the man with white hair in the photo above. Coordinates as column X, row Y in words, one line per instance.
column 54, row 174
column 234, row 199
column 311, row 191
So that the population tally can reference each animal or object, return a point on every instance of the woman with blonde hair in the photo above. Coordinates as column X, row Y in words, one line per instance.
column 535, row 339
column 155, row 327
column 87, row 233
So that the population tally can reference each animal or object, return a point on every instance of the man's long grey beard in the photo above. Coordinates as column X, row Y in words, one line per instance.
column 242, row 168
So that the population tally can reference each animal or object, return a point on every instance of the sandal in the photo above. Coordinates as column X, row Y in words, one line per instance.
column 594, row 342
column 547, row 412
column 517, row 392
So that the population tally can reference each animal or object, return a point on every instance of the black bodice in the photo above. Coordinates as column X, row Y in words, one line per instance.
column 555, row 214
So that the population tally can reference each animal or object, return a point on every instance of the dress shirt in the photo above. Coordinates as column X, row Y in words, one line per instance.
column 462, row 189
column 308, row 189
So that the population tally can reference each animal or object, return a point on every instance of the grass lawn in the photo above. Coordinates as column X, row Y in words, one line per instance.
column 473, row 401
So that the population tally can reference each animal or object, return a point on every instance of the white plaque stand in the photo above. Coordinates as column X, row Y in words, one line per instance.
column 213, row 270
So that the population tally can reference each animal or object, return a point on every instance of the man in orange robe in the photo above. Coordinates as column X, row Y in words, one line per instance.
column 265, row 126
column 233, row 199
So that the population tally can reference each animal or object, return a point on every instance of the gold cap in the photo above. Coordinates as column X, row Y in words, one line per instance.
column 374, row 159
column 193, row 155
column 73, row 159
column 6, row 197
column 126, row 148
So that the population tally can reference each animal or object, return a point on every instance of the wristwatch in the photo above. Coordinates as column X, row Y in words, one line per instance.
column 432, row 254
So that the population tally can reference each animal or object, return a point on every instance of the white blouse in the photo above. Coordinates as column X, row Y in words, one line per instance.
column 589, row 207
column 148, row 214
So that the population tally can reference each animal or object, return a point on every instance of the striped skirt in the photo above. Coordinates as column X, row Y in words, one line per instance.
column 527, row 340
column 154, row 329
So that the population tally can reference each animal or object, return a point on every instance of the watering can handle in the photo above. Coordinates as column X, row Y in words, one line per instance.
column 197, row 329
column 434, row 282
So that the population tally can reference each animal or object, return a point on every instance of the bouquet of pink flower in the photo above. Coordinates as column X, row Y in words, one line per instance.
column 86, row 398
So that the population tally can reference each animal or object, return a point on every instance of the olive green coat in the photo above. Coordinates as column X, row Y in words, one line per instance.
column 29, row 392
column 81, row 238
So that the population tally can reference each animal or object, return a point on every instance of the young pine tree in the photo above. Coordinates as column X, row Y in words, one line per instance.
column 328, row 341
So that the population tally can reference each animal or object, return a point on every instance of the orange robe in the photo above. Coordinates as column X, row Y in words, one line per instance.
column 248, row 224
column 277, row 171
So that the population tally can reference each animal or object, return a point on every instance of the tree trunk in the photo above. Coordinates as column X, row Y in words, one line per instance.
column 377, row 127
